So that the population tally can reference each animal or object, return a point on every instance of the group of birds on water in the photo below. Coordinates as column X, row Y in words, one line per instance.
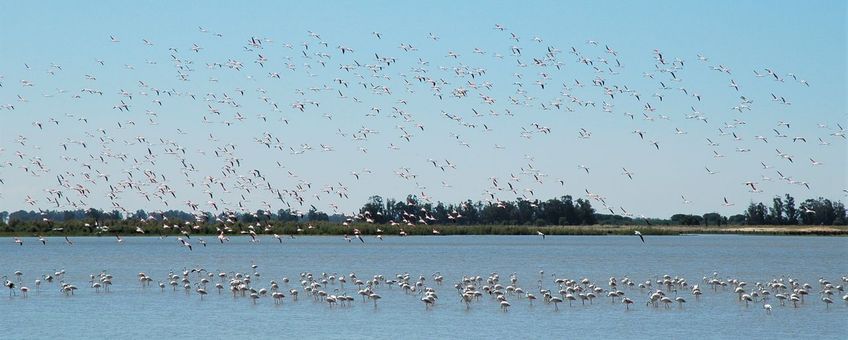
column 341, row 290
column 131, row 148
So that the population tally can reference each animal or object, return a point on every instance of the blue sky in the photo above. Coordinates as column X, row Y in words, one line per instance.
column 786, row 37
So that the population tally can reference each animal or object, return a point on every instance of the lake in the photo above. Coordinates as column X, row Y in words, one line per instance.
column 129, row 310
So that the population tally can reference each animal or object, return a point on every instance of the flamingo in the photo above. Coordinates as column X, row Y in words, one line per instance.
column 556, row 300
column 278, row 297
column 428, row 301
column 827, row 301
column 627, row 302
column 374, row 297
column 201, row 292
column 10, row 285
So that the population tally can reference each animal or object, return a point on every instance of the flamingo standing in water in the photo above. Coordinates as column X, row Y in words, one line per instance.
column 556, row 300
column 201, row 292
column 374, row 297
column 627, row 302
column 428, row 301
column 827, row 301
column 10, row 285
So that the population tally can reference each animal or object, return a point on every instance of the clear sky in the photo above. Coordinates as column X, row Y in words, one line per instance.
column 50, row 69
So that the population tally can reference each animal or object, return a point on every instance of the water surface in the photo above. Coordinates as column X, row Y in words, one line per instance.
column 130, row 311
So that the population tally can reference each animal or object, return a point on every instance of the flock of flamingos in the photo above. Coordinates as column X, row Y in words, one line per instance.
column 222, row 135
column 335, row 290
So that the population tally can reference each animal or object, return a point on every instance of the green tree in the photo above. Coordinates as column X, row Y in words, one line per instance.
column 586, row 212
column 736, row 219
column 569, row 212
column 712, row 219
column 374, row 210
column 756, row 214
column 790, row 211
column 684, row 219
column 68, row 216
column 94, row 214
column 808, row 211
column 524, row 212
column 840, row 217
column 776, row 212
column 314, row 215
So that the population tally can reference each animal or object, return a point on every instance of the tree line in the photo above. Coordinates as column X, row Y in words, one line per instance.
column 819, row 211
column 562, row 211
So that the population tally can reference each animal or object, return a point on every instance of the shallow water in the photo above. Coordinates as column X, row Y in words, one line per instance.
column 130, row 311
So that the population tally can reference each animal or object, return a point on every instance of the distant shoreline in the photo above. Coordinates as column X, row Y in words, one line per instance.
column 445, row 230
